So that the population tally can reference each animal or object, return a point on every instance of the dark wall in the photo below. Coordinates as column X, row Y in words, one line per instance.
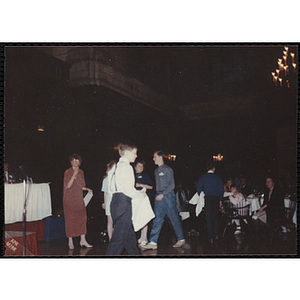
column 88, row 120
column 92, row 120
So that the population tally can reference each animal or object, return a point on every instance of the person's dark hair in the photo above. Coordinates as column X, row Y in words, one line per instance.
column 273, row 177
column 139, row 161
column 234, row 185
column 160, row 153
column 229, row 179
column 210, row 165
column 75, row 156
column 125, row 146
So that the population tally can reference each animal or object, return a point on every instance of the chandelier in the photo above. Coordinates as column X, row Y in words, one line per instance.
column 172, row 157
column 218, row 157
column 286, row 69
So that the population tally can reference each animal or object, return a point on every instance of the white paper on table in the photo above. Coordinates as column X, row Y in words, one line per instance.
column 87, row 198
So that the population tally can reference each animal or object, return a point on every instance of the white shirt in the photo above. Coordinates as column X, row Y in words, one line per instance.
column 123, row 181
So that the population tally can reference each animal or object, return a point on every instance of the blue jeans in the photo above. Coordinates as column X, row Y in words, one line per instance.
column 167, row 206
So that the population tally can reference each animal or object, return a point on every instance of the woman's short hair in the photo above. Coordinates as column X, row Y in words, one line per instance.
column 75, row 156
column 229, row 179
column 125, row 146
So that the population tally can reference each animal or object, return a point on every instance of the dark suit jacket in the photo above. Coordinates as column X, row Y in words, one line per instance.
column 246, row 190
column 275, row 206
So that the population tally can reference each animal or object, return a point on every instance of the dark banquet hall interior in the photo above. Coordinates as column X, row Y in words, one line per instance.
column 232, row 103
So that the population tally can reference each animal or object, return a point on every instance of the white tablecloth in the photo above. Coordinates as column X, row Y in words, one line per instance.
column 254, row 204
column 38, row 202
column 295, row 216
column 287, row 202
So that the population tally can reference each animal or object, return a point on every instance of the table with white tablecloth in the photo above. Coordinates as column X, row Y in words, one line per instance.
column 287, row 202
column 295, row 216
column 254, row 204
column 38, row 205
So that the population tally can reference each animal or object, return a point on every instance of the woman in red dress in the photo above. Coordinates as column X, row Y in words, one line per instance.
column 74, row 207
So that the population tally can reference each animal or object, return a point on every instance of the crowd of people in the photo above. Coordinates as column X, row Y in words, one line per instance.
column 125, row 190
column 129, row 207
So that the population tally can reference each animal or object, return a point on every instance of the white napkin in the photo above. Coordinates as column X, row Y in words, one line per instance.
column 198, row 200
column 142, row 212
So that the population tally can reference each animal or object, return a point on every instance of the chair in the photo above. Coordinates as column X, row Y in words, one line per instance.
column 289, row 213
column 284, row 223
column 287, row 218
column 182, row 203
column 232, row 212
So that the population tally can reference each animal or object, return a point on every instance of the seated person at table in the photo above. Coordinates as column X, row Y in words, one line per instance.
column 273, row 201
column 246, row 189
column 238, row 200
column 272, row 207
column 227, row 185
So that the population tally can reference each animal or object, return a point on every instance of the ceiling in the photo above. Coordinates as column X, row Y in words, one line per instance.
column 200, row 80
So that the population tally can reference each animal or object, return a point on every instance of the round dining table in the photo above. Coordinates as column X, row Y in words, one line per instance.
column 254, row 204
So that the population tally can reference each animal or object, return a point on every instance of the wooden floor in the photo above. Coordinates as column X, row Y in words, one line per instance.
column 197, row 245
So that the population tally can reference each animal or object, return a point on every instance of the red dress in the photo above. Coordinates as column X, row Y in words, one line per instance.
column 74, row 207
